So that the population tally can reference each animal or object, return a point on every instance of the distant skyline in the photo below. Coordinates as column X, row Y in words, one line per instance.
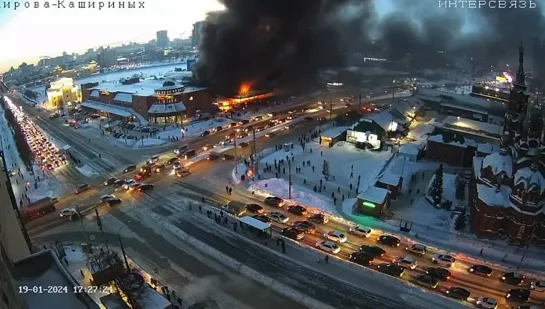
column 29, row 34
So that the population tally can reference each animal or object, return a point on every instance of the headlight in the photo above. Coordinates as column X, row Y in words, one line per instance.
column 508, row 295
column 503, row 278
column 471, row 270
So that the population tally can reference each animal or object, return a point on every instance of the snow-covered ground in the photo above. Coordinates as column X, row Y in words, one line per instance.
column 87, row 171
column 299, row 195
column 148, row 142
column 193, row 129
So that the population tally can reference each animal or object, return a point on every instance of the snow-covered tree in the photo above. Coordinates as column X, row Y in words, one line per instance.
column 436, row 188
column 460, row 222
column 325, row 169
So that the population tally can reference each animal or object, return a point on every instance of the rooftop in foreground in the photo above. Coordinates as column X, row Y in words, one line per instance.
column 43, row 269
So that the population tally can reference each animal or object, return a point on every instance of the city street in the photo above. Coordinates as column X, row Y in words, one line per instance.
column 208, row 180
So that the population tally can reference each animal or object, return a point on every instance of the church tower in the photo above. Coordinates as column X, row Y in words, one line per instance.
column 517, row 107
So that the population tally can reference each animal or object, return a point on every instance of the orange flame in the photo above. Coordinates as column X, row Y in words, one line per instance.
column 245, row 88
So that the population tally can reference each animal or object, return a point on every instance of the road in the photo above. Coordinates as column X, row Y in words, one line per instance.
column 208, row 180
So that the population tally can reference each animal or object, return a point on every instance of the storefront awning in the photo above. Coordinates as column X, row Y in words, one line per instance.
column 167, row 109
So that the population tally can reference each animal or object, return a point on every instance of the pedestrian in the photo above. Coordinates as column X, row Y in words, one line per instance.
column 227, row 189
column 332, row 194
column 326, row 259
column 481, row 252
column 200, row 208
column 278, row 242
column 81, row 272
column 352, row 167
column 359, row 178
column 339, row 189
column 321, row 153
column 315, row 188
column 304, row 163
column 351, row 174
column 313, row 168
column 202, row 199
column 304, row 181
column 230, row 190
column 221, row 213
column 284, row 170
column 343, row 198
column 225, row 221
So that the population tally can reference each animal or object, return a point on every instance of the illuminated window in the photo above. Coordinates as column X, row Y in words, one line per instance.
column 369, row 204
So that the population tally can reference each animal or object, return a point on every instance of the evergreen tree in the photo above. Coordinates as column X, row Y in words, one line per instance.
column 460, row 222
column 436, row 189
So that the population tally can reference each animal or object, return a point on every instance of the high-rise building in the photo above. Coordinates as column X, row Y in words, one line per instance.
column 12, row 243
column 162, row 39
column 107, row 57
column 196, row 33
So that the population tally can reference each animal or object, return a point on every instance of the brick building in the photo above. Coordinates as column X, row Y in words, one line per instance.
column 154, row 100
column 508, row 188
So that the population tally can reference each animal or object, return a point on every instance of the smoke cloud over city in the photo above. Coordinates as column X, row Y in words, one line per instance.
column 280, row 43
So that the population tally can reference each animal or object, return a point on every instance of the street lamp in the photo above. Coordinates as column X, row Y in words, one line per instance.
column 123, row 247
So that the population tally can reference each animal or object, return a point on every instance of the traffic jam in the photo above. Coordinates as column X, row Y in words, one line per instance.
column 441, row 272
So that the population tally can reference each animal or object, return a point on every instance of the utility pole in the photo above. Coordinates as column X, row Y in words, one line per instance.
column 359, row 105
column 393, row 89
column 289, row 179
column 256, row 170
column 123, row 247
column 82, row 225
column 330, row 109
column 100, row 227
column 236, row 159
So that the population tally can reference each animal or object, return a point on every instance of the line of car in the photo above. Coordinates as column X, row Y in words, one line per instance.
column 331, row 241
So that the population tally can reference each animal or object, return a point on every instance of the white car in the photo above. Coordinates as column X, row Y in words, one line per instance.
column 538, row 286
column 406, row 261
column 336, row 236
column 487, row 303
column 417, row 249
column 278, row 217
column 107, row 197
column 361, row 231
column 128, row 183
column 67, row 212
column 328, row 246
column 443, row 260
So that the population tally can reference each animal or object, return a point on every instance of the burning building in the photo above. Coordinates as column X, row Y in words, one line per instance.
column 246, row 94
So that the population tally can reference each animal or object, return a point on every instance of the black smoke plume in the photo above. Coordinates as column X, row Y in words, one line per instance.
column 273, row 43
column 287, row 43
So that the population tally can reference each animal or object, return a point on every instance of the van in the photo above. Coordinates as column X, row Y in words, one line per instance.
column 180, row 150
column 190, row 154
column 235, row 208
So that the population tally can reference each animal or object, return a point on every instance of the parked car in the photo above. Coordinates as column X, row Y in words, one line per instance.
column 109, row 181
column 328, row 246
column 458, row 293
column 487, row 303
column 293, row 233
column 417, row 249
column 361, row 258
column 438, row 273
column 319, row 218
column 262, row 218
column 513, row 278
column 297, row 210
column 81, row 188
column 130, row 168
column 274, row 201
column 391, row 269
column 257, row 209
column 521, row 295
column 406, row 261
column 482, row 270
column 305, row 226
column 115, row 201
column 360, row 230
column 278, row 217
column 336, row 236
column 374, row 251
column 427, row 281
column 538, row 286
column 444, row 260
column 68, row 212
column 389, row 240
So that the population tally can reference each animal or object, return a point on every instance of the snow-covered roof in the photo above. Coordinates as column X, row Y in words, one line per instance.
column 462, row 142
column 472, row 125
column 390, row 178
column 493, row 197
column 44, row 269
column 117, row 110
column 420, row 130
column 167, row 108
column 255, row 223
column 487, row 148
column 532, row 179
column 145, row 87
column 123, row 97
column 410, row 149
column 374, row 194
column 499, row 162
column 383, row 119
column 334, row 132
column 151, row 299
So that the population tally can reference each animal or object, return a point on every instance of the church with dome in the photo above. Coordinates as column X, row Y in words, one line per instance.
column 507, row 190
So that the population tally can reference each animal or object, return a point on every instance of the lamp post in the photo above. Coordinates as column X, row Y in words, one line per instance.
column 289, row 179
column 123, row 247
column 236, row 159
column 393, row 89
